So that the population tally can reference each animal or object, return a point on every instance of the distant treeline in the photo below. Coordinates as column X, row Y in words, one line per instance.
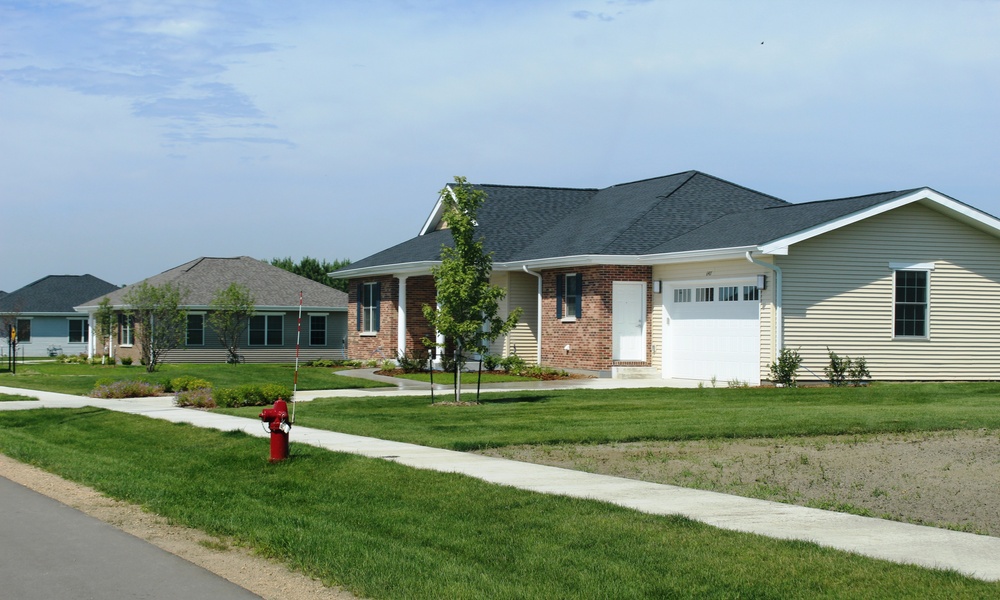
column 312, row 268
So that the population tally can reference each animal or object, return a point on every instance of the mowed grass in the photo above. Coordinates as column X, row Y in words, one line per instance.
column 604, row 416
column 15, row 398
column 80, row 379
column 383, row 530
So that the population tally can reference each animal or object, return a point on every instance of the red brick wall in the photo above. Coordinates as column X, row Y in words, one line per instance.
column 420, row 290
column 367, row 346
column 590, row 336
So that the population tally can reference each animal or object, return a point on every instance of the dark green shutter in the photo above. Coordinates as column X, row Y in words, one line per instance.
column 559, row 295
column 579, row 295
column 378, row 304
column 361, row 306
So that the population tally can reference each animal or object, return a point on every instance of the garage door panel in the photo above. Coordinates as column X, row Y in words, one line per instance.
column 705, row 340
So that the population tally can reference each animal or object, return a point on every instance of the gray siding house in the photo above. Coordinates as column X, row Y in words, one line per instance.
column 271, row 333
column 44, row 316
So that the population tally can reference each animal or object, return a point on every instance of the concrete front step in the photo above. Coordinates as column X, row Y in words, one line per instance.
column 635, row 373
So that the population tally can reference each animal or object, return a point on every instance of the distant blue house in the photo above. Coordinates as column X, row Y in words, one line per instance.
column 44, row 318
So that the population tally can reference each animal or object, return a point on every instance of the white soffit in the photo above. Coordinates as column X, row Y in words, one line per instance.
column 934, row 200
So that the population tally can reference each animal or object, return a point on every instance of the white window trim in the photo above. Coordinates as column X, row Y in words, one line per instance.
column 369, row 311
column 568, row 316
column 85, row 330
column 927, row 267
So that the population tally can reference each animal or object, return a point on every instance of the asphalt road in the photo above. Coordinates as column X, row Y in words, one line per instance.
column 49, row 551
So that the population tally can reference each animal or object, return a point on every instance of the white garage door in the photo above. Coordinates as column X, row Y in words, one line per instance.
column 712, row 330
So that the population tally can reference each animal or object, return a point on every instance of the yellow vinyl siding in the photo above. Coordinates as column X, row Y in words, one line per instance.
column 720, row 269
column 838, row 293
column 523, row 292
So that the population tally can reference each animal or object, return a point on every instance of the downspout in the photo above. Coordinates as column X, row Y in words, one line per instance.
column 401, row 319
column 538, row 341
column 779, row 325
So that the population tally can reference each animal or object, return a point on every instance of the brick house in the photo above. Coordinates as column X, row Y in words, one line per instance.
column 689, row 276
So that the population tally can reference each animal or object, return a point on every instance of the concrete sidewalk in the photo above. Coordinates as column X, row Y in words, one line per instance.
column 974, row 555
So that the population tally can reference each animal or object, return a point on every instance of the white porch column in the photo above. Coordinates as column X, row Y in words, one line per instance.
column 90, row 336
column 401, row 321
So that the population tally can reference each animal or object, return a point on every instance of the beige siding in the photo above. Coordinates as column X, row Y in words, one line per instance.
column 838, row 293
column 711, row 270
column 523, row 292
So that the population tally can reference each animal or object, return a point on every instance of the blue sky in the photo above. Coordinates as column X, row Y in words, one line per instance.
column 139, row 135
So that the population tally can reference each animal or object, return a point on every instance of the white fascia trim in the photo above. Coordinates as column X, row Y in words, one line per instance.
column 286, row 309
column 952, row 207
column 414, row 268
column 435, row 217
column 621, row 259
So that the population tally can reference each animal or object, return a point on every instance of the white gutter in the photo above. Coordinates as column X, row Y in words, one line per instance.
column 538, row 341
column 779, row 324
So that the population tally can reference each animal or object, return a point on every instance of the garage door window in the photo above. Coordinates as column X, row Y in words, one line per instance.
column 751, row 293
column 706, row 294
column 729, row 293
column 682, row 295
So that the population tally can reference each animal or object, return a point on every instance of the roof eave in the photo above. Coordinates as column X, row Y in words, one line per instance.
column 413, row 268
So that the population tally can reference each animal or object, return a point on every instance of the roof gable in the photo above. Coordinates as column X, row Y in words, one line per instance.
column 272, row 287
column 55, row 294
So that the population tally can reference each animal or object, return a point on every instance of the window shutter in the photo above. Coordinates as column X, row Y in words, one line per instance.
column 559, row 295
column 579, row 295
column 378, row 304
column 361, row 306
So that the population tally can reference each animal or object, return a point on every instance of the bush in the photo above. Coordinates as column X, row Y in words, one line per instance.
column 512, row 364
column 846, row 371
column 186, row 383
column 414, row 363
column 783, row 371
column 321, row 362
column 491, row 362
column 126, row 361
column 126, row 389
column 196, row 398
column 251, row 394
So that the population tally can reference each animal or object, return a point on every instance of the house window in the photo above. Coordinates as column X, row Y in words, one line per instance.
column 78, row 331
column 195, row 330
column 126, row 330
column 682, row 295
column 369, row 301
column 730, row 293
column 705, row 294
column 751, row 293
column 911, row 303
column 569, row 299
column 266, row 330
column 23, row 330
column 317, row 330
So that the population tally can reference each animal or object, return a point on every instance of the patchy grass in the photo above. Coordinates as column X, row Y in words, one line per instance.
column 80, row 379
column 15, row 398
column 383, row 530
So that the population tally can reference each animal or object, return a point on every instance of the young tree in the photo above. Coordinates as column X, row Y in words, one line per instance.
column 467, row 303
column 161, row 324
column 104, row 319
column 312, row 268
column 229, row 314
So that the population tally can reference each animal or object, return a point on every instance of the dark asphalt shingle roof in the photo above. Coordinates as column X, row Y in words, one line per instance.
column 271, row 286
column 675, row 213
column 55, row 294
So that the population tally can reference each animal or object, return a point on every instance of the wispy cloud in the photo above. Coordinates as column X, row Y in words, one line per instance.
column 172, row 61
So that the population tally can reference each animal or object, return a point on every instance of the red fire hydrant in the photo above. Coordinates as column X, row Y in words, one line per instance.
column 276, row 421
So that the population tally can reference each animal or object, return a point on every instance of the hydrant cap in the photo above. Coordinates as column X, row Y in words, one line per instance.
column 281, row 405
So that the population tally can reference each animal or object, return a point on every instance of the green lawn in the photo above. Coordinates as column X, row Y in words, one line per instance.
column 79, row 379
column 383, row 530
column 601, row 416
column 467, row 378
column 14, row 398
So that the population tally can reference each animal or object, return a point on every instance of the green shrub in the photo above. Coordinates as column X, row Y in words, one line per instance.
column 187, row 382
column 126, row 361
column 836, row 370
column 414, row 363
column 321, row 362
column 512, row 364
column 783, row 371
column 858, row 373
column 491, row 362
column 126, row 389
column 196, row 398
column 251, row 394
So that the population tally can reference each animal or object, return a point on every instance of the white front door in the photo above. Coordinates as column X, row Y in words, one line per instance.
column 628, row 320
